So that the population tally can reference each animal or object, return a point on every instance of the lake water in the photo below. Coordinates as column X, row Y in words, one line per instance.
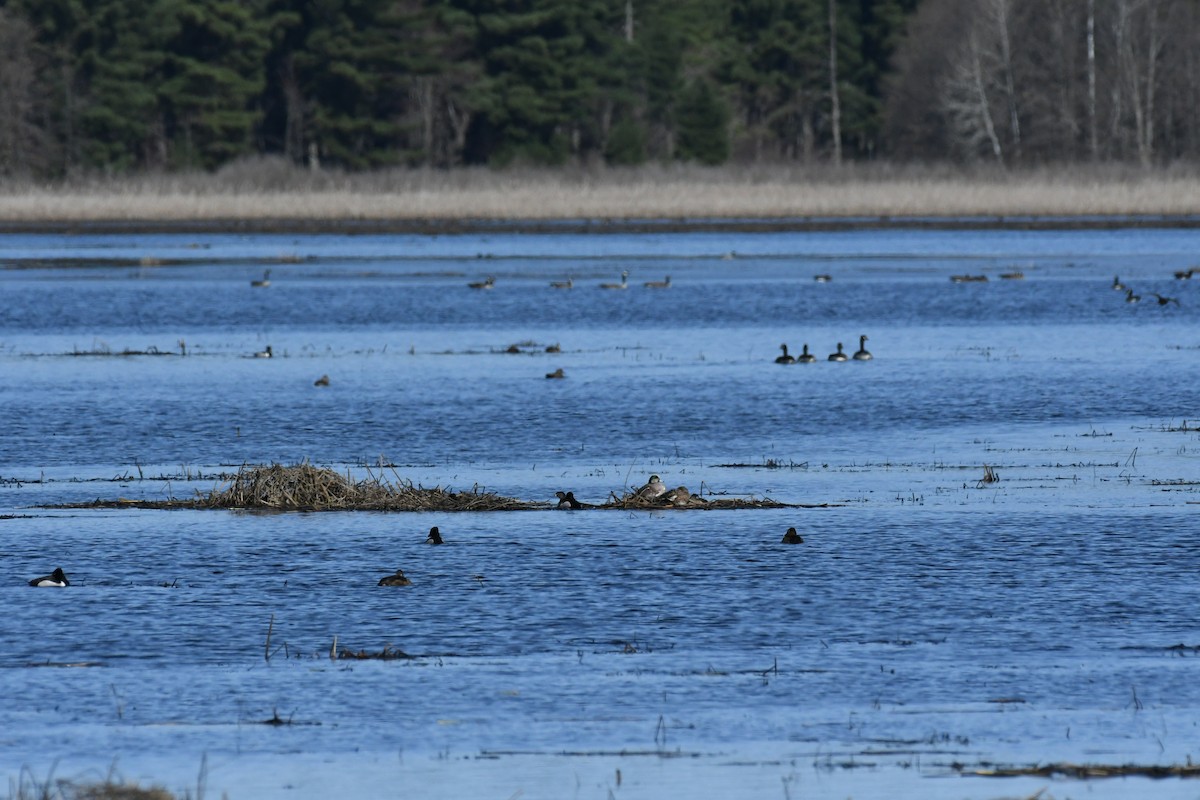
column 930, row 621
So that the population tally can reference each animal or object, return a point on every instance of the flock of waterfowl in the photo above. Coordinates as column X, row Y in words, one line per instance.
column 805, row 357
column 490, row 282
column 1163, row 300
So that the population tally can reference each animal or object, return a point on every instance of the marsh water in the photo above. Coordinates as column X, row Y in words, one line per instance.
column 933, row 624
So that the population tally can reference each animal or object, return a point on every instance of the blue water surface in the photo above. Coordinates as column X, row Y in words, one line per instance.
column 931, row 619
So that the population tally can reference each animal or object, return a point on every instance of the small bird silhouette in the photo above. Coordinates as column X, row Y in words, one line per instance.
column 791, row 537
column 398, row 579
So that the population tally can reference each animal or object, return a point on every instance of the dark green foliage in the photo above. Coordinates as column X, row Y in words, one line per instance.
column 626, row 144
column 703, row 125
column 165, row 84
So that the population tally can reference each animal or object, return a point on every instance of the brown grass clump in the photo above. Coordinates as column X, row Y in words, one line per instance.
column 681, row 498
column 29, row 788
column 1085, row 771
column 305, row 487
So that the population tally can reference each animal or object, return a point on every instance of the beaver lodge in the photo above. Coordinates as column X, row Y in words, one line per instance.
column 304, row 487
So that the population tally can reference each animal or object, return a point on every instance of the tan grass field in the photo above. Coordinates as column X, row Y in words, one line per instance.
column 264, row 192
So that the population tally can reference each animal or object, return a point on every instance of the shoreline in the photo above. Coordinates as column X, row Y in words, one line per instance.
column 265, row 197
column 596, row 226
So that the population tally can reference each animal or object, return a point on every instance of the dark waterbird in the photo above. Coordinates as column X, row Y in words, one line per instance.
column 839, row 355
column 434, row 537
column 805, row 357
column 862, row 354
column 56, row 578
column 785, row 358
column 791, row 537
column 395, row 580
column 567, row 500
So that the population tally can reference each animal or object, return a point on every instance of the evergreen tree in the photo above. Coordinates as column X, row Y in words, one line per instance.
column 703, row 125
column 212, row 77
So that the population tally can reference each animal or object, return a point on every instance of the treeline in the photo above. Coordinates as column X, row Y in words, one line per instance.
column 115, row 86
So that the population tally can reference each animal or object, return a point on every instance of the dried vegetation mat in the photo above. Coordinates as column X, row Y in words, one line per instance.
column 1084, row 771
column 681, row 498
column 303, row 487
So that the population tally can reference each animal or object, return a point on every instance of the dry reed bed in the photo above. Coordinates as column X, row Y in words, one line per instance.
column 266, row 195
column 304, row 487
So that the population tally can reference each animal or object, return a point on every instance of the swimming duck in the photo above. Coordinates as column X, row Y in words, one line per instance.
column 567, row 284
column 1184, row 274
column 653, row 489
column 266, row 279
column 553, row 348
column 663, row 284
column 785, row 358
column 321, row 381
column 862, row 354
column 1116, row 284
column 791, row 537
column 435, row 536
column 558, row 373
column 805, row 357
column 395, row 580
column 264, row 353
column 1130, row 297
column 839, row 355
column 56, row 578
column 488, row 283
column 1162, row 301
column 624, row 284
column 567, row 500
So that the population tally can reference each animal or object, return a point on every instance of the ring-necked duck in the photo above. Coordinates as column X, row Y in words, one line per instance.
column 791, row 537
column 862, row 354
column 435, row 536
column 395, row 580
column 56, row 578
column 567, row 500
column 805, row 357
column 785, row 358
column 839, row 355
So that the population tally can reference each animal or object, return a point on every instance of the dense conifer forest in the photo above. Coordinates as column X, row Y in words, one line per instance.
column 133, row 86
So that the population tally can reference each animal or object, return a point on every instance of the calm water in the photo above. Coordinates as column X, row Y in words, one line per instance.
column 929, row 619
